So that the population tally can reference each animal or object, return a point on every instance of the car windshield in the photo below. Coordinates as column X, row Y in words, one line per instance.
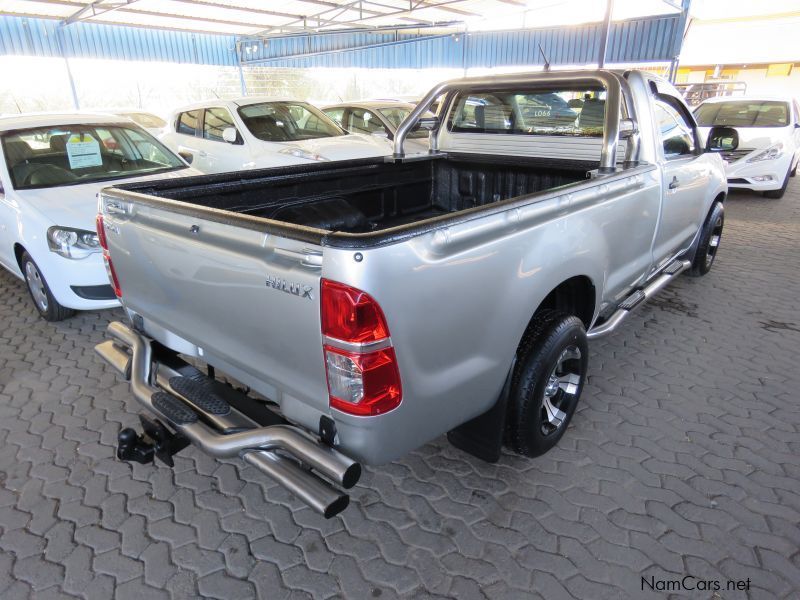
column 743, row 113
column 287, row 122
column 396, row 114
column 46, row 157
column 146, row 120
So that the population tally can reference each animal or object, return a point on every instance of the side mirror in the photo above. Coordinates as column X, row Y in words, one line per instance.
column 187, row 156
column 229, row 135
column 722, row 139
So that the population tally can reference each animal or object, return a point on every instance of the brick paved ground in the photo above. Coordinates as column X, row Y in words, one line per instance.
column 684, row 458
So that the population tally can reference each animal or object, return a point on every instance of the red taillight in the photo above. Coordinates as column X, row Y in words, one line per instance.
column 112, row 274
column 351, row 315
column 360, row 363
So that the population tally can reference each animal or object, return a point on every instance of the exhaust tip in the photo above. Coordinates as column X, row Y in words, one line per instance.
column 337, row 506
column 351, row 476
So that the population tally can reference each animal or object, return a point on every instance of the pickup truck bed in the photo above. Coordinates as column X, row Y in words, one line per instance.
column 370, row 195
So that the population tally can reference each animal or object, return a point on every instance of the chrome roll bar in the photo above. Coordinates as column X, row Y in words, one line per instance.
column 617, row 97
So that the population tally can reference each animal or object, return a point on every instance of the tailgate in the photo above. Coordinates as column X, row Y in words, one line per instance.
column 240, row 294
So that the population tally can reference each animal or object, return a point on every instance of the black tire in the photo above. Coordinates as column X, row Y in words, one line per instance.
column 778, row 194
column 710, row 239
column 554, row 346
column 793, row 172
column 40, row 292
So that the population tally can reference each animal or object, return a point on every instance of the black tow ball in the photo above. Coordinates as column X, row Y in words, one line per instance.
column 155, row 441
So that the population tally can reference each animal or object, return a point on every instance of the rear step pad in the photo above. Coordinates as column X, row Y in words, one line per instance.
column 633, row 300
column 201, row 394
column 673, row 267
column 173, row 409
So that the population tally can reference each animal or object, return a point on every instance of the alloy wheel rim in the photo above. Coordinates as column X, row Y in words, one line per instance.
column 561, row 390
column 36, row 285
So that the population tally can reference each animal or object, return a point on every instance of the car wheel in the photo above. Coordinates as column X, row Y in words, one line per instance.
column 776, row 194
column 40, row 292
column 793, row 172
column 709, row 241
column 547, row 382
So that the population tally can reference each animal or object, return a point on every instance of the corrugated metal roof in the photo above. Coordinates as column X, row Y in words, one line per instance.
column 653, row 39
column 42, row 37
column 639, row 40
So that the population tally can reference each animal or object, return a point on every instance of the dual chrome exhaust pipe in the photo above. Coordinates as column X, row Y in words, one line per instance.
column 280, row 451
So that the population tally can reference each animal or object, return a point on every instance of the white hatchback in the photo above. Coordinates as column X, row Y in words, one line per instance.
column 254, row 133
column 769, row 140
column 51, row 169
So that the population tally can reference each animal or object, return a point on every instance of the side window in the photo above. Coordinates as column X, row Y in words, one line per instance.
column 216, row 120
column 363, row 121
column 336, row 114
column 187, row 122
column 677, row 135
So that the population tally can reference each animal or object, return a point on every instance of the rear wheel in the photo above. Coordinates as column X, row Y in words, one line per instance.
column 40, row 292
column 776, row 194
column 547, row 383
column 709, row 241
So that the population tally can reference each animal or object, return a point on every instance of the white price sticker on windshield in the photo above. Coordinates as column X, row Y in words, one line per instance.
column 83, row 151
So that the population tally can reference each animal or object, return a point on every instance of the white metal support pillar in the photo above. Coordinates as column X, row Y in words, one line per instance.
column 601, row 58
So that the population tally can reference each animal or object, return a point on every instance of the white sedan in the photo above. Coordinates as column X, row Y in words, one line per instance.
column 51, row 169
column 769, row 140
column 252, row 133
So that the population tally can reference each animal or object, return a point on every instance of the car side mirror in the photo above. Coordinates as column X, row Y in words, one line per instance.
column 187, row 156
column 229, row 135
column 722, row 139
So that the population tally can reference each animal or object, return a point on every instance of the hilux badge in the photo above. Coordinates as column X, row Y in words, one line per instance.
column 296, row 289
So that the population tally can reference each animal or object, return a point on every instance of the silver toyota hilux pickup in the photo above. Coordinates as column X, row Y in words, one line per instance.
column 312, row 318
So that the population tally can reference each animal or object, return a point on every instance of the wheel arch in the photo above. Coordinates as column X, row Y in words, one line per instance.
column 19, row 250
column 576, row 295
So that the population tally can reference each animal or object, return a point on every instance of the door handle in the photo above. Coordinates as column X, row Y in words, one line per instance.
column 674, row 184
column 203, row 153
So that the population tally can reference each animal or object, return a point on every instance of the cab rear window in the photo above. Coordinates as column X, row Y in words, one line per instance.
column 530, row 112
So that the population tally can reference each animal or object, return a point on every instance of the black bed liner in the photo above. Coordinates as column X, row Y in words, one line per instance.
column 358, row 203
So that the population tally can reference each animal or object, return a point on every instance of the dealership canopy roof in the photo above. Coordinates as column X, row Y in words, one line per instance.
column 259, row 18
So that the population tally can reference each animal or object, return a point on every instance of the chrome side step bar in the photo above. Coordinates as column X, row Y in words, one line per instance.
column 266, row 448
column 638, row 297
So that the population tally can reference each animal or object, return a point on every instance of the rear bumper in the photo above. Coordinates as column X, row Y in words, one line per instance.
column 302, row 464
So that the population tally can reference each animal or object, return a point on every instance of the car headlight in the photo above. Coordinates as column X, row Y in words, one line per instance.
column 72, row 243
column 300, row 153
column 771, row 153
